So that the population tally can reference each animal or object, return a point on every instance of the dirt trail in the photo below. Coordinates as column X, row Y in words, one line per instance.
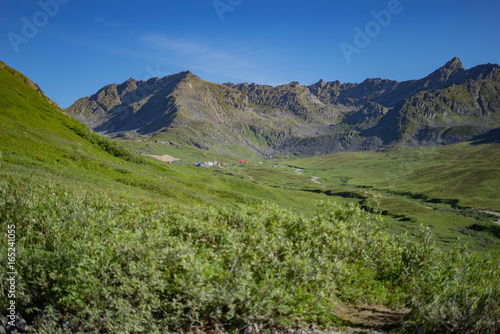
column 313, row 178
column 371, row 316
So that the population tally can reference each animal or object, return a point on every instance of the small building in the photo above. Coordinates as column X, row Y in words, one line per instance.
column 243, row 161
column 206, row 163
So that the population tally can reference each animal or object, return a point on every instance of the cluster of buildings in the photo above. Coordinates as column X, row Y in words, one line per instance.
column 205, row 163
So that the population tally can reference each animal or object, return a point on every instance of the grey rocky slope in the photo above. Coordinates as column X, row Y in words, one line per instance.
column 450, row 105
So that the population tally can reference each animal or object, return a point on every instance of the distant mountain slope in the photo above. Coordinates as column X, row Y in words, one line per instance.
column 197, row 112
column 450, row 105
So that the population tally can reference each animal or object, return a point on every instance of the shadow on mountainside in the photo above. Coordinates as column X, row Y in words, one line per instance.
column 490, row 137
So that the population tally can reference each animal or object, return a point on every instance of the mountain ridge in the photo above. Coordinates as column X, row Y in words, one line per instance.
column 30, row 83
column 322, row 118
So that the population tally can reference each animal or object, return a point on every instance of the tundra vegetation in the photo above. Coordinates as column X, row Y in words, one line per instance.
column 113, row 266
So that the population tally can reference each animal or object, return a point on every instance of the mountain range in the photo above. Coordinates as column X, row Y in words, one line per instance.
column 450, row 105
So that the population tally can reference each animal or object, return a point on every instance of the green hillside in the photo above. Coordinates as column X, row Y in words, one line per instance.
column 104, row 240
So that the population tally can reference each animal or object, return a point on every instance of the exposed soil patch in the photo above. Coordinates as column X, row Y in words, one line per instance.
column 164, row 158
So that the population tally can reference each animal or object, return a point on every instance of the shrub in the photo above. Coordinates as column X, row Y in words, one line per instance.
column 458, row 293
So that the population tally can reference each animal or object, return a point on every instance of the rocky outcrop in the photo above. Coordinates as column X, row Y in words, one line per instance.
column 14, row 324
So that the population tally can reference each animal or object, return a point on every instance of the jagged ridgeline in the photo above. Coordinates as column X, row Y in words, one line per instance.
column 450, row 105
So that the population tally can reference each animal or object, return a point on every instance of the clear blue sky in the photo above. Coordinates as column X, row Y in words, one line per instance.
column 71, row 48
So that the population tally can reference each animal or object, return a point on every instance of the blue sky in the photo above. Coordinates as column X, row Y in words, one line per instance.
column 72, row 48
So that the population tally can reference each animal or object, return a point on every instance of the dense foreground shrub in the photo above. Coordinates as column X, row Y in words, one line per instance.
column 103, row 266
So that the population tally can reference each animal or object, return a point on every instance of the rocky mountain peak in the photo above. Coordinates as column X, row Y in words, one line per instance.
column 186, row 75
column 127, row 86
column 443, row 75
column 454, row 65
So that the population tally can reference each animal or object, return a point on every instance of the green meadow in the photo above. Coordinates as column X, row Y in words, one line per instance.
column 446, row 188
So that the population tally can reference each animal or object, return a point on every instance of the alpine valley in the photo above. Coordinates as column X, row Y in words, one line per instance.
column 332, row 208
